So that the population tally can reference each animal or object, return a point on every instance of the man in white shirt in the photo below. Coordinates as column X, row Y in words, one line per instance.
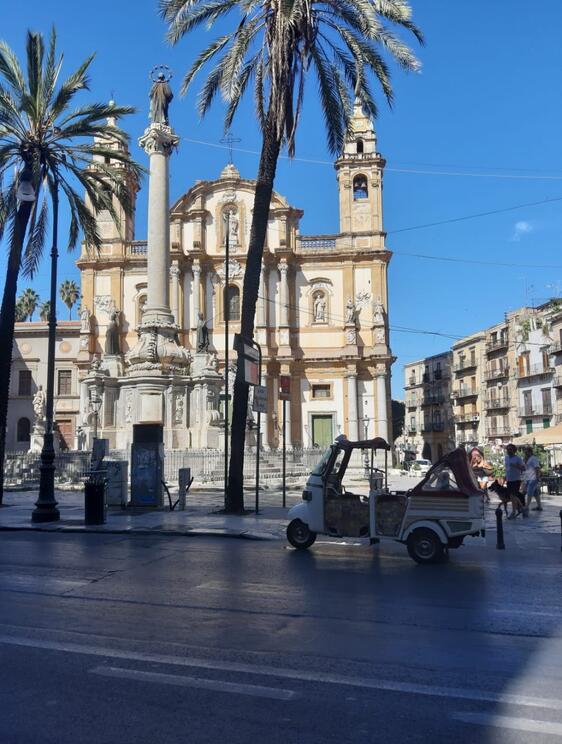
column 514, row 468
column 531, row 478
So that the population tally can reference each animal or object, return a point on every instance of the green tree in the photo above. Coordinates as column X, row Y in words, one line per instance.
column 276, row 45
column 29, row 300
column 69, row 294
column 45, row 311
column 49, row 143
column 20, row 313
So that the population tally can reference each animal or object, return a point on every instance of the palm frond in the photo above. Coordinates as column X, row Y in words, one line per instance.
column 11, row 71
column 33, row 251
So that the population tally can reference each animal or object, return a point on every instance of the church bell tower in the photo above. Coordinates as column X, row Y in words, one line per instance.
column 359, row 172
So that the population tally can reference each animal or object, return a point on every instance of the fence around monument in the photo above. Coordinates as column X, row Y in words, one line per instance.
column 207, row 466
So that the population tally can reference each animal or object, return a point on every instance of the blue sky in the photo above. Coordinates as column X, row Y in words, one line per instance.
column 487, row 107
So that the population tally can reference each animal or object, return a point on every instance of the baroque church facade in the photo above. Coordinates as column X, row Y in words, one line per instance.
column 322, row 315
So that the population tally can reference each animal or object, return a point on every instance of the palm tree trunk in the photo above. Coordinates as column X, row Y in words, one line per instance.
column 7, row 320
column 234, row 502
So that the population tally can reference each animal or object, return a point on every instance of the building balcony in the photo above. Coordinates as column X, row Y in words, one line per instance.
column 555, row 348
column 498, row 402
column 540, row 410
column 462, row 364
column 467, row 437
column 433, row 400
column 412, row 382
column 532, row 370
column 496, row 373
column 464, row 418
column 499, row 431
column 430, row 426
column 557, row 381
column 411, row 430
column 464, row 392
column 412, row 403
column 496, row 345
column 441, row 374
column 316, row 243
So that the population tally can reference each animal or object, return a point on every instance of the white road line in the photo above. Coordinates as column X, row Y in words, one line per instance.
column 460, row 693
column 205, row 684
column 517, row 724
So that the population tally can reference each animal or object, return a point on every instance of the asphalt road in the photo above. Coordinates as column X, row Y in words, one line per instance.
column 117, row 639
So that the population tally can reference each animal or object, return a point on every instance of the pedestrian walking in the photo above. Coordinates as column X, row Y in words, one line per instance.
column 514, row 469
column 531, row 479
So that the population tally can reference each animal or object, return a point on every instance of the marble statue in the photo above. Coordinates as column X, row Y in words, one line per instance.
column 378, row 312
column 350, row 311
column 39, row 402
column 160, row 97
column 202, row 334
column 112, row 340
column 320, row 309
column 85, row 320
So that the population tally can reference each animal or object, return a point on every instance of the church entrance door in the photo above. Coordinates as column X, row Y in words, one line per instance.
column 322, row 430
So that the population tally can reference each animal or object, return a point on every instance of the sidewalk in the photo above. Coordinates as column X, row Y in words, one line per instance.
column 202, row 517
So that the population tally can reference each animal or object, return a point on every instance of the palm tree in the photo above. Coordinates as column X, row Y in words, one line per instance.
column 49, row 143
column 20, row 313
column 45, row 311
column 29, row 300
column 69, row 294
column 276, row 45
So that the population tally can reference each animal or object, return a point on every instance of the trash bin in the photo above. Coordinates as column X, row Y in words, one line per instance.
column 94, row 502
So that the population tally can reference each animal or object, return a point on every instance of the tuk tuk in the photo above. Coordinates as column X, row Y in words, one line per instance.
column 431, row 518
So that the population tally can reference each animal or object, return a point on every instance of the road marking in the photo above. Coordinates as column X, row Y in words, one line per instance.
column 460, row 693
column 517, row 724
column 205, row 684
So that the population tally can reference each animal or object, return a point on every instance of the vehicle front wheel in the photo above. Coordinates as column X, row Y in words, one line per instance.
column 424, row 546
column 299, row 535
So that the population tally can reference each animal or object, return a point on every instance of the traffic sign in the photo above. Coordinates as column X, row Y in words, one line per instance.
column 259, row 403
column 251, row 357
column 284, row 387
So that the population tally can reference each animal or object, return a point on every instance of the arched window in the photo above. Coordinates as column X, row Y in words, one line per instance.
column 360, row 190
column 141, row 302
column 24, row 430
column 232, row 303
column 359, row 144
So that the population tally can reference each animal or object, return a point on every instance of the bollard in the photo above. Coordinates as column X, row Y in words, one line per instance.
column 500, row 545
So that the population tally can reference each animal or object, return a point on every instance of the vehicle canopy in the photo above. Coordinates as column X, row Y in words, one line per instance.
column 374, row 444
column 457, row 462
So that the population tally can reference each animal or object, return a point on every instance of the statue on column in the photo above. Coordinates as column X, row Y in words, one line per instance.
column 350, row 312
column 378, row 312
column 112, row 340
column 39, row 402
column 202, row 334
column 160, row 97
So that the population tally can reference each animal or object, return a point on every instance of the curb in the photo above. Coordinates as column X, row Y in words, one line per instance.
column 194, row 532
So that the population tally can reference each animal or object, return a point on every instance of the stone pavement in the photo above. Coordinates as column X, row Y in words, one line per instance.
column 202, row 517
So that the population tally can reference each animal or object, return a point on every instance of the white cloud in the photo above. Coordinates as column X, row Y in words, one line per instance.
column 522, row 227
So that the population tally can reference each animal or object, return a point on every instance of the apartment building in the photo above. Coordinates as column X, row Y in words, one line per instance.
column 467, row 388
column 506, row 380
column 428, row 430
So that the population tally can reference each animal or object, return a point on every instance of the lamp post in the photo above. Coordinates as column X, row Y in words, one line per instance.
column 46, row 505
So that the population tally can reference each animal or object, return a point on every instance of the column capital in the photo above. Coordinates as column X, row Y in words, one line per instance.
column 283, row 266
column 174, row 270
column 196, row 266
column 159, row 138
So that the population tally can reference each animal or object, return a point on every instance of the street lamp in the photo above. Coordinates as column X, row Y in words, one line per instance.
column 46, row 505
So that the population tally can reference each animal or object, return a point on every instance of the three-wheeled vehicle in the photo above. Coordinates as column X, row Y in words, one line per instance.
column 432, row 517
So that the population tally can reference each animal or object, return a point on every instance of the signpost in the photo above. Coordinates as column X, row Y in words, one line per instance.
column 249, row 351
column 284, row 395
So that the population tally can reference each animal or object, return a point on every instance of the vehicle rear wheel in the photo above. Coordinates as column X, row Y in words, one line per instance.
column 299, row 535
column 424, row 546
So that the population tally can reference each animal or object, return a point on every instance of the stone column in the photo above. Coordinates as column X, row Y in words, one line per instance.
column 157, row 347
column 261, row 311
column 353, row 432
column 382, row 409
column 175, row 298
column 158, row 142
column 196, row 289
column 284, row 294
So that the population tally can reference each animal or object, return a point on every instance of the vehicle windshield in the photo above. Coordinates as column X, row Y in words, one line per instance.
column 319, row 469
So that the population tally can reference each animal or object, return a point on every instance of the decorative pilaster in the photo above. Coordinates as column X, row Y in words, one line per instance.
column 196, row 289
column 261, row 313
column 175, row 292
column 353, row 429
column 382, row 407
column 284, row 294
